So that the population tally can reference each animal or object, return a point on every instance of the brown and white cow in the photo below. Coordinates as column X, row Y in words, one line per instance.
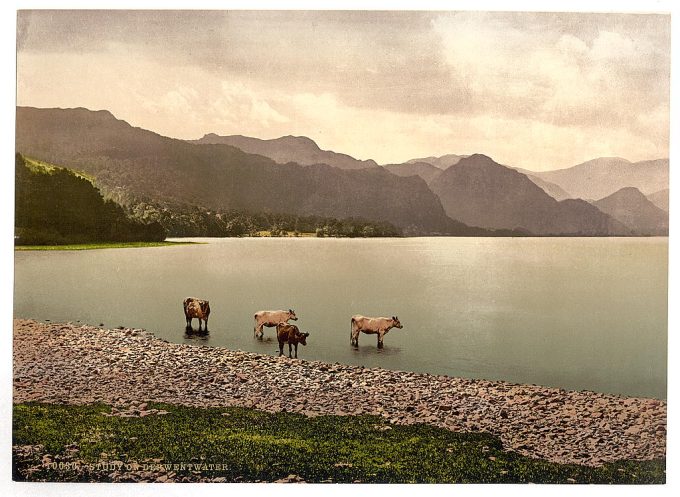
column 271, row 319
column 290, row 334
column 372, row 326
column 196, row 308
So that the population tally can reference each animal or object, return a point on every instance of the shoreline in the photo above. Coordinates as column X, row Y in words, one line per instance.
column 80, row 364
column 100, row 245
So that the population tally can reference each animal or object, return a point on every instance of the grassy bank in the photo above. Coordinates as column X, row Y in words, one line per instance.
column 104, row 245
column 251, row 445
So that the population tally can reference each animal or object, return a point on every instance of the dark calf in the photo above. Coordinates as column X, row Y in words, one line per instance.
column 290, row 334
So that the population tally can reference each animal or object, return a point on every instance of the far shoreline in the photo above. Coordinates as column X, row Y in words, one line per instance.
column 102, row 245
column 187, row 240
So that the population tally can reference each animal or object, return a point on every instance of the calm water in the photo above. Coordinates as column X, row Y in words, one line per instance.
column 576, row 313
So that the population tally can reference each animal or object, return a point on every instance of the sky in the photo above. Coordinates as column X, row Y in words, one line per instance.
column 535, row 90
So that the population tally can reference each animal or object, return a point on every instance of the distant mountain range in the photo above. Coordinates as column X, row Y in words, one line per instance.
column 632, row 208
column 660, row 199
column 480, row 192
column 598, row 178
column 150, row 166
column 453, row 194
column 298, row 149
column 423, row 169
column 443, row 162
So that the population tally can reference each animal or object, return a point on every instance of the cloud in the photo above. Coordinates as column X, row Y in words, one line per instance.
column 562, row 73
column 368, row 59
column 531, row 89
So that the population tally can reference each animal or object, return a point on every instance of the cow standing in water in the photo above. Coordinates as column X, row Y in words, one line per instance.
column 196, row 308
column 271, row 319
column 290, row 334
column 372, row 326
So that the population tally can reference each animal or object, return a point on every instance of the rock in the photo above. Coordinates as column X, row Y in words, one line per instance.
column 56, row 363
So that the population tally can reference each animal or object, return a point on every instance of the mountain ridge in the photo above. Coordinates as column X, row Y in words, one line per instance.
column 299, row 149
column 480, row 192
column 632, row 208
column 419, row 198
column 423, row 169
column 220, row 176
column 600, row 177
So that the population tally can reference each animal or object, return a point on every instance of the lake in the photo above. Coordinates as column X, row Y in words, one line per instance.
column 575, row 313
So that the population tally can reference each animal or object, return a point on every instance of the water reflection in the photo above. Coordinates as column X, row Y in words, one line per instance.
column 574, row 313
column 196, row 335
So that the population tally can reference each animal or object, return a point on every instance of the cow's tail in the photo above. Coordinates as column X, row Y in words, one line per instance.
column 351, row 331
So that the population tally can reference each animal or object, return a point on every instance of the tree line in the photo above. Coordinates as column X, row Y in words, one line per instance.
column 181, row 220
column 57, row 206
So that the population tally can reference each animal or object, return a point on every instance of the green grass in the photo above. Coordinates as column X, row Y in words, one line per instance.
column 103, row 245
column 39, row 166
column 255, row 445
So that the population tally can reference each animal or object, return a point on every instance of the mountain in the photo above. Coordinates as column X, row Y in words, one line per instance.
column 550, row 188
column 443, row 162
column 143, row 164
column 298, row 149
column 601, row 177
column 480, row 192
column 632, row 208
column 426, row 171
column 660, row 199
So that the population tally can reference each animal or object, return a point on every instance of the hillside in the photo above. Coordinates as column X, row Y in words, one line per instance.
column 632, row 208
column 443, row 162
column 660, row 199
column 298, row 149
column 550, row 188
column 56, row 206
column 601, row 177
column 147, row 165
column 480, row 192
column 426, row 171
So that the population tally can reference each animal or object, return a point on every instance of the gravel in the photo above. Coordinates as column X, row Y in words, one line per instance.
column 127, row 368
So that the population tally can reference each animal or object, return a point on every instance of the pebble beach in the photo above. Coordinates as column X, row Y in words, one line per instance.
column 127, row 368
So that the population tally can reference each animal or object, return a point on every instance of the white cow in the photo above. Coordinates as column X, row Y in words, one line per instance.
column 372, row 326
column 271, row 319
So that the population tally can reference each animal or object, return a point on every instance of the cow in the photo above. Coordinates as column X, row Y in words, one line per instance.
column 372, row 326
column 196, row 308
column 271, row 319
column 290, row 334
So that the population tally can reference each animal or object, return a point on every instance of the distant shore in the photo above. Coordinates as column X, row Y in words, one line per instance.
column 72, row 364
column 102, row 245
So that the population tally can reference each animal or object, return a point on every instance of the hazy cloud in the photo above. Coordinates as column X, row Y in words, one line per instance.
column 560, row 88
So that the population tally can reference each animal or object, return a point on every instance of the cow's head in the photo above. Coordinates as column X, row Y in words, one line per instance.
column 292, row 314
column 205, row 307
column 396, row 323
column 303, row 338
